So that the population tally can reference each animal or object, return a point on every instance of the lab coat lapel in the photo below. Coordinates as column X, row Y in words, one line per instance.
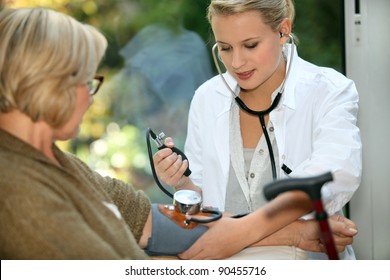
column 222, row 128
column 283, row 112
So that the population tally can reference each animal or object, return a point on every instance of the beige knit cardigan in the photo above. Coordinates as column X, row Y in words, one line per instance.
column 64, row 212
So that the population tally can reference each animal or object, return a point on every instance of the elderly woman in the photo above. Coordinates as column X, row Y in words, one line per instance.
column 52, row 205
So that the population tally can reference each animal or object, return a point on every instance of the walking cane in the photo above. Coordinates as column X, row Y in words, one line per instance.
column 312, row 187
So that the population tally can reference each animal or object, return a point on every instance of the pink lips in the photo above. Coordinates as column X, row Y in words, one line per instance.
column 245, row 75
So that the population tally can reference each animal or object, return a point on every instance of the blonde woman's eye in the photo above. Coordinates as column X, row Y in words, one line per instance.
column 252, row 46
column 224, row 49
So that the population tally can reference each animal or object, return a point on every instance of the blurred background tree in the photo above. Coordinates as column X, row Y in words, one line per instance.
column 117, row 147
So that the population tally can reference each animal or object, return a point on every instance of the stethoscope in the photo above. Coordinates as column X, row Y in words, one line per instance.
column 263, row 113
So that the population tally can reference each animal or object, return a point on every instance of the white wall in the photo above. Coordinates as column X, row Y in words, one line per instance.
column 368, row 64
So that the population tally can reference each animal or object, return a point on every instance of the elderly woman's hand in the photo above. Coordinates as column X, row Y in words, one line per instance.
column 309, row 236
column 343, row 231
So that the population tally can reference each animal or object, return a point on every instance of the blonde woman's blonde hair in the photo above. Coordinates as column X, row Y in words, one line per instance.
column 273, row 12
column 44, row 55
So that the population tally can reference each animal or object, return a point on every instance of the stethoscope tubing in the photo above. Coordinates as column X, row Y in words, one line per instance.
column 260, row 114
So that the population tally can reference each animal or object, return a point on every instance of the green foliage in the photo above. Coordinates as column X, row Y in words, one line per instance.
column 318, row 27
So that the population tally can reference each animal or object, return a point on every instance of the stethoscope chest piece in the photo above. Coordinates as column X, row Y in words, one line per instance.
column 187, row 202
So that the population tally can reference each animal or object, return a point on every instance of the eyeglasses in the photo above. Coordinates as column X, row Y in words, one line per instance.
column 95, row 84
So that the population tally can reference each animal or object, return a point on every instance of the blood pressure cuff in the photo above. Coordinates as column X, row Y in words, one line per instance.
column 168, row 237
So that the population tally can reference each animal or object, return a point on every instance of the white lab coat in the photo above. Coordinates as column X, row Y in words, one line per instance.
column 315, row 129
